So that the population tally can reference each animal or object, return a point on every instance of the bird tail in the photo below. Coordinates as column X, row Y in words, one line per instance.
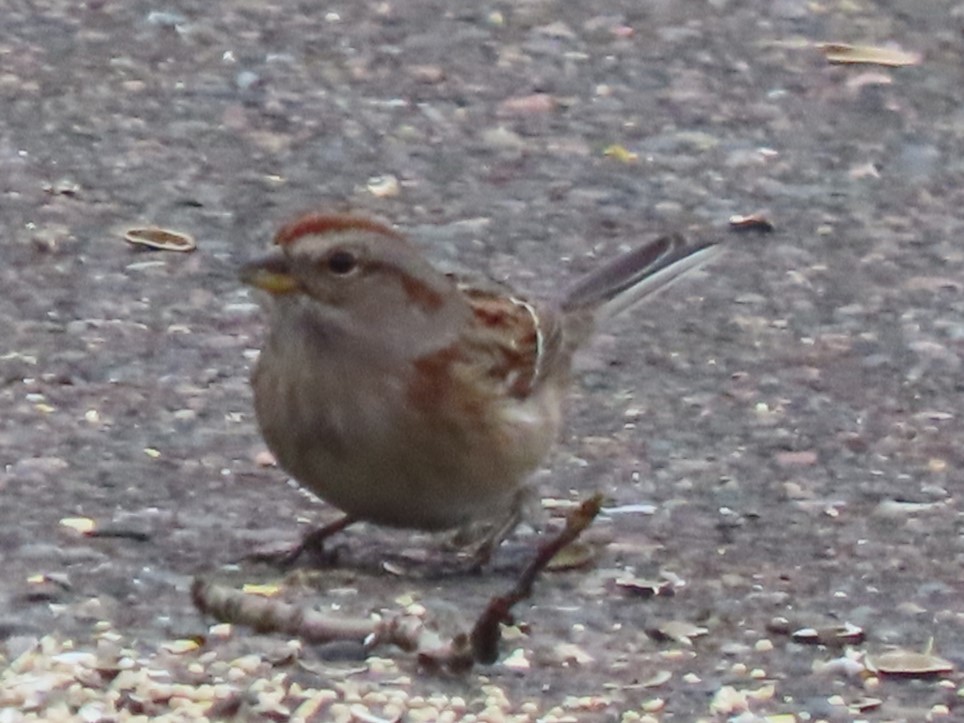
column 636, row 275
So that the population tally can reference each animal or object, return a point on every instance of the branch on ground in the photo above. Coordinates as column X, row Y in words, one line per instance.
column 481, row 645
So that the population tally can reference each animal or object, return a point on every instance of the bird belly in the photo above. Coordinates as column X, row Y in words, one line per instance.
column 401, row 469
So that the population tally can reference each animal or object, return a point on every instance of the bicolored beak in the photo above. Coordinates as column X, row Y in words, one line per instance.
column 271, row 273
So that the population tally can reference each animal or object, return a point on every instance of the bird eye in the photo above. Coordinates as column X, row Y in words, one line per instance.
column 342, row 262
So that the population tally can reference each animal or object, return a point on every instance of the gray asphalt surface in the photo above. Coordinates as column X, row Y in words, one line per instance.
column 794, row 415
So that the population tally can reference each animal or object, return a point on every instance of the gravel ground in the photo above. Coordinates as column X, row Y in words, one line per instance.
column 778, row 439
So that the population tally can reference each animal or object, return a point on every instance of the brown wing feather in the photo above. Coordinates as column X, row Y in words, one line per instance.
column 507, row 340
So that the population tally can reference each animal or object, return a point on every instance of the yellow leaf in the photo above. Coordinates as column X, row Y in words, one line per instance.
column 620, row 153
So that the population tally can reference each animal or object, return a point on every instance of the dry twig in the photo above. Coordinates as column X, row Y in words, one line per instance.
column 481, row 645
column 485, row 633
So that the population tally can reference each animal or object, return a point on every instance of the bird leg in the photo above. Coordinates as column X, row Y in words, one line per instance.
column 312, row 545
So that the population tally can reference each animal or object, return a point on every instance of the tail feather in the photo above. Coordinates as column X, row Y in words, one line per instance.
column 636, row 275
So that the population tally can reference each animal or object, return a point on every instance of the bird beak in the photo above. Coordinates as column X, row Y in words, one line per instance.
column 270, row 273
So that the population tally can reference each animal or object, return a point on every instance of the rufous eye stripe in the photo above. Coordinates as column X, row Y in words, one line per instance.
column 320, row 224
column 421, row 294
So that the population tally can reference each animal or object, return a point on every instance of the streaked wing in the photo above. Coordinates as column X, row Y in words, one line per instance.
column 507, row 341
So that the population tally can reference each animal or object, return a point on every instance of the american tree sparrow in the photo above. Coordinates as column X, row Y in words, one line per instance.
column 407, row 397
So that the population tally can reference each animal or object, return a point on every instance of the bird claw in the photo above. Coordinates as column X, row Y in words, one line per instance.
column 310, row 549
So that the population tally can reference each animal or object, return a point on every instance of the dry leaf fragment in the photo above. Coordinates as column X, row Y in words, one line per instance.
column 908, row 664
column 751, row 222
column 678, row 631
column 646, row 588
column 891, row 57
column 862, row 705
column 844, row 634
column 159, row 239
